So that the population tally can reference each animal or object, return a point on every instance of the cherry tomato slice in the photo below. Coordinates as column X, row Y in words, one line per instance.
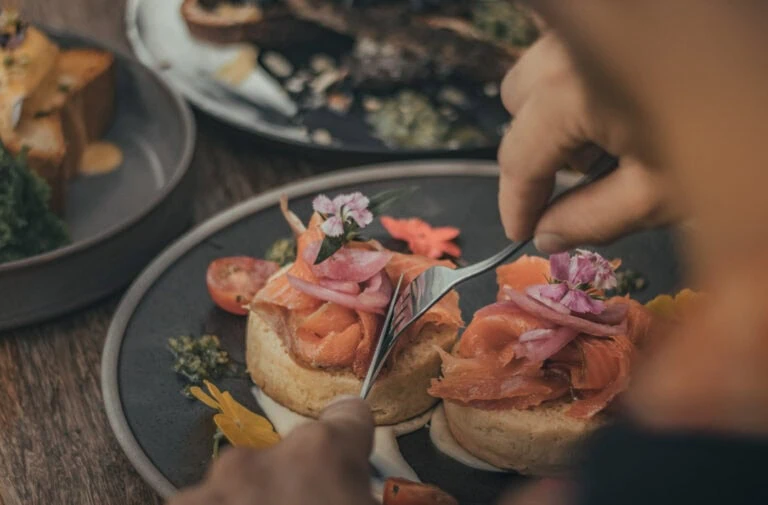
column 234, row 281
column 404, row 492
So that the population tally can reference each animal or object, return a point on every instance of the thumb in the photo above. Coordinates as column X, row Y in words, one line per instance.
column 351, row 419
column 627, row 200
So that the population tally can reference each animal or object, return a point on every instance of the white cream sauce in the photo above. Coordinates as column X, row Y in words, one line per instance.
column 386, row 456
column 443, row 439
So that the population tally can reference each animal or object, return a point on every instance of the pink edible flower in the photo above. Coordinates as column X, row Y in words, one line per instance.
column 573, row 276
column 342, row 209
column 604, row 276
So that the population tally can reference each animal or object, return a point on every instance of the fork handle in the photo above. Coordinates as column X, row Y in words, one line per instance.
column 603, row 166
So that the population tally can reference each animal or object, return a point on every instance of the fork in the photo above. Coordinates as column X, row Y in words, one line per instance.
column 434, row 283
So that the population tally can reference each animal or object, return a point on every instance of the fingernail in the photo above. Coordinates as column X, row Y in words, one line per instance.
column 549, row 243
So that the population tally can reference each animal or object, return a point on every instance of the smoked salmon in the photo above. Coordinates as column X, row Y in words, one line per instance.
column 326, row 332
column 517, row 354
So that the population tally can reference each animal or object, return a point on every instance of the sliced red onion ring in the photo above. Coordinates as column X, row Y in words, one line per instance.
column 347, row 264
column 538, row 309
column 538, row 345
column 374, row 298
column 351, row 288
column 549, row 295
column 614, row 313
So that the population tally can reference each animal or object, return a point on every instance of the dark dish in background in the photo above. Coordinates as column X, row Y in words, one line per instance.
column 110, row 224
column 395, row 78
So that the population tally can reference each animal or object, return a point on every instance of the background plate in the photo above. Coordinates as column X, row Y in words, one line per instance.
column 160, row 39
column 168, row 438
column 118, row 221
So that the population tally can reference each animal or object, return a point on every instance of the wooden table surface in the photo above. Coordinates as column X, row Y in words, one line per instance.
column 56, row 446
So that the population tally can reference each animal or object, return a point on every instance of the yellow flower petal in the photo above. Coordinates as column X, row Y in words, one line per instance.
column 214, row 391
column 242, row 415
column 668, row 307
column 200, row 395
column 662, row 305
column 255, row 437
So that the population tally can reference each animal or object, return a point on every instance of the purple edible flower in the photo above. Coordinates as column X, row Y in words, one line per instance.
column 572, row 276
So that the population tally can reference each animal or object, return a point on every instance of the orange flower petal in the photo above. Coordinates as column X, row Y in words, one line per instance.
column 445, row 233
column 422, row 239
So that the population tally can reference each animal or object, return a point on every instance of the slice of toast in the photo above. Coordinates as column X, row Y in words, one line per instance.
column 87, row 81
column 84, row 99
column 228, row 22
column 27, row 77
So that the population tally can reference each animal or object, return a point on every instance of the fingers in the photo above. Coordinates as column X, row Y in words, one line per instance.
column 545, row 63
column 629, row 199
column 351, row 419
column 536, row 145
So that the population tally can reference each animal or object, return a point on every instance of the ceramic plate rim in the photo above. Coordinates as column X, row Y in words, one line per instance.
column 189, row 134
column 205, row 104
column 132, row 298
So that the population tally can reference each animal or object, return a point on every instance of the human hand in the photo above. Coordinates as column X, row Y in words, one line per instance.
column 556, row 121
column 323, row 462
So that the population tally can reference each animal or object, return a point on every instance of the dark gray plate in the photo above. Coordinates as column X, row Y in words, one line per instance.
column 118, row 221
column 168, row 438
column 260, row 104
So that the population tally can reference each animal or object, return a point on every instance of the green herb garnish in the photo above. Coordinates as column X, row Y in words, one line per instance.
column 27, row 225
column 282, row 252
column 198, row 359
column 628, row 282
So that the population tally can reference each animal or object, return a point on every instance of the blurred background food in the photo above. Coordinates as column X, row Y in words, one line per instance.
column 55, row 104
column 421, row 73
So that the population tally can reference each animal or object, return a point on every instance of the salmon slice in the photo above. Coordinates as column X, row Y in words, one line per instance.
column 485, row 373
column 490, row 333
column 473, row 380
column 601, row 359
column 364, row 352
column 324, row 338
column 447, row 310
column 640, row 322
column 327, row 335
column 279, row 291
column 327, row 319
column 336, row 349
column 522, row 273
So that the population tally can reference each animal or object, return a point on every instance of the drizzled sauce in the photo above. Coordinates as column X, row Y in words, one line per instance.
column 100, row 158
column 241, row 66
column 386, row 456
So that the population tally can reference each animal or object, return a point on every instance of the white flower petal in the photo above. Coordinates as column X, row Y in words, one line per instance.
column 333, row 226
column 324, row 205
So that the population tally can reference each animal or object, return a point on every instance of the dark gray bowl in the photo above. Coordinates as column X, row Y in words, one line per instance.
column 118, row 221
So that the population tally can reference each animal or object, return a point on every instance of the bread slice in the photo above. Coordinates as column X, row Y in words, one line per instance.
column 230, row 23
column 27, row 77
column 542, row 441
column 397, row 396
column 87, row 81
